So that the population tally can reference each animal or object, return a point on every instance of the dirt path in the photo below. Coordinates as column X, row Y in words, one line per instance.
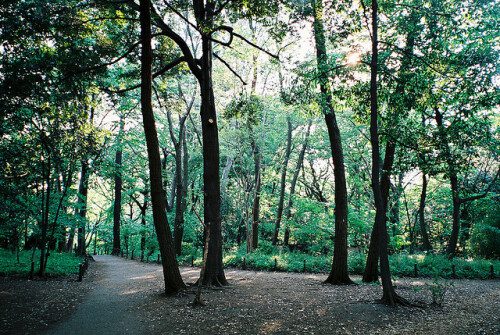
column 109, row 307
column 126, row 298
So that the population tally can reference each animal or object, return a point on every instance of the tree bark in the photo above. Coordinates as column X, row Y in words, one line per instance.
column 293, row 184
column 117, row 207
column 339, row 273
column 389, row 296
column 179, row 190
column 421, row 215
column 452, row 174
column 214, row 274
column 256, row 198
column 45, row 213
column 172, row 278
column 284, row 168
column 143, row 208
column 371, row 269
column 402, row 103
column 82, row 212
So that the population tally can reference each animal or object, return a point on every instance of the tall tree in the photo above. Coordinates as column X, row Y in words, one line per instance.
column 172, row 277
column 339, row 273
column 284, row 168
column 117, row 206
column 293, row 184
column 389, row 295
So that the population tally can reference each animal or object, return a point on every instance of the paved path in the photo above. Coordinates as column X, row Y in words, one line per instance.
column 107, row 308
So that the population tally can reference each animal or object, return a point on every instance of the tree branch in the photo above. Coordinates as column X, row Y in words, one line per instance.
column 164, row 69
column 229, row 67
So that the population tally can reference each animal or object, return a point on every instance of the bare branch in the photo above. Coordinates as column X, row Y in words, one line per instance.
column 229, row 67
column 164, row 69
column 256, row 46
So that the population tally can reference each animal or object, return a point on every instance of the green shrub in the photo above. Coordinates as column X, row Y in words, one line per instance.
column 57, row 265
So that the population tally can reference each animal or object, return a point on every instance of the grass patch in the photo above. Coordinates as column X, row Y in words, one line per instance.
column 57, row 265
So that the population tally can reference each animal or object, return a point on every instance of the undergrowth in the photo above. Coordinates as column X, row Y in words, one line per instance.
column 57, row 265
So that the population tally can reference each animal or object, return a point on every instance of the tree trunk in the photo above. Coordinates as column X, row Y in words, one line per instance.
column 402, row 103
column 179, row 187
column 117, row 207
column 284, row 168
column 214, row 274
column 452, row 174
column 421, row 215
column 82, row 212
column 256, row 198
column 225, row 175
column 339, row 273
column 45, row 214
column 143, row 208
column 296, row 172
column 371, row 269
column 389, row 295
column 171, row 274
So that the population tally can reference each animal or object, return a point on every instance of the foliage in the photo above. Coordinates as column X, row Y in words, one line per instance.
column 58, row 264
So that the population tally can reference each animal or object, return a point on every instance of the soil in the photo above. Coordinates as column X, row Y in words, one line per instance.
column 120, row 296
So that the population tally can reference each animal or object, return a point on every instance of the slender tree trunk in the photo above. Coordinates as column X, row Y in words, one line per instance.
column 143, row 208
column 339, row 273
column 452, row 244
column 389, row 295
column 117, row 208
column 256, row 199
column 45, row 215
column 394, row 217
column 171, row 274
column 421, row 215
column 296, row 172
column 371, row 268
column 179, row 216
column 452, row 174
column 284, row 168
column 225, row 177
column 82, row 205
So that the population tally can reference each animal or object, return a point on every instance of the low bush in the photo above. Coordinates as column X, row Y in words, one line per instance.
column 57, row 265
column 402, row 265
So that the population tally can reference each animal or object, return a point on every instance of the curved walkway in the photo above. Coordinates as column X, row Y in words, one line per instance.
column 106, row 309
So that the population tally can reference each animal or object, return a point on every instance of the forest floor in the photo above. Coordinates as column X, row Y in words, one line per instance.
column 120, row 296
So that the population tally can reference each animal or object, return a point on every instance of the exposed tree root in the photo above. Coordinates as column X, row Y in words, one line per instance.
column 214, row 280
column 343, row 281
column 397, row 300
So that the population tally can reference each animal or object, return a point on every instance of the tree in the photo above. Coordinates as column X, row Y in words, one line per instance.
column 339, row 273
column 171, row 274
column 284, row 168
column 117, row 206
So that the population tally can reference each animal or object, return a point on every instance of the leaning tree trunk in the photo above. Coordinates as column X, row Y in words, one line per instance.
column 293, row 184
column 339, row 273
column 281, row 200
column 117, row 207
column 172, row 277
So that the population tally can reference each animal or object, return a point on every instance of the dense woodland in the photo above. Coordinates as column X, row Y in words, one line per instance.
column 279, row 131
